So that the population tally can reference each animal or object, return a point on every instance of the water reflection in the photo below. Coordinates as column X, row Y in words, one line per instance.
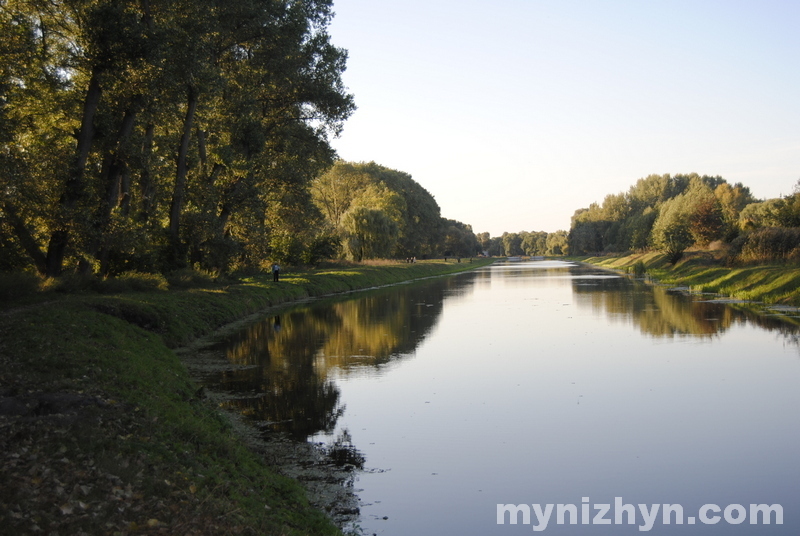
column 663, row 312
column 537, row 382
column 289, row 361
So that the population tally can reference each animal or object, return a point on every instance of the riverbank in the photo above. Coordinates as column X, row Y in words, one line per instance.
column 703, row 271
column 102, row 430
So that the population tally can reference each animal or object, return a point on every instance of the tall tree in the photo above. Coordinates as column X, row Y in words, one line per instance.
column 346, row 186
column 216, row 110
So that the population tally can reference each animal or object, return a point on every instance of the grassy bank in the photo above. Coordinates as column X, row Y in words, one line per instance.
column 102, row 431
column 703, row 271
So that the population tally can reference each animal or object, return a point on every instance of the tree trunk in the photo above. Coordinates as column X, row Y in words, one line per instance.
column 113, row 171
column 115, row 162
column 145, row 182
column 25, row 238
column 74, row 187
column 178, row 193
column 201, row 148
column 226, row 207
column 125, row 192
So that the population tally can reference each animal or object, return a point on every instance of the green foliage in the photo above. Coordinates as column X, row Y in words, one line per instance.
column 703, row 211
column 586, row 231
column 704, row 273
column 347, row 190
column 786, row 211
column 671, row 230
column 496, row 247
column 370, row 233
column 760, row 214
column 512, row 244
column 459, row 240
column 323, row 246
column 89, row 283
column 732, row 202
column 534, row 243
column 769, row 244
column 285, row 248
column 638, row 228
column 557, row 243
column 135, row 281
column 188, row 278
column 636, row 220
column 484, row 240
column 139, row 138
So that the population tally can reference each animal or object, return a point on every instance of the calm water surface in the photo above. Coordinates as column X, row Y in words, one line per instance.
column 535, row 382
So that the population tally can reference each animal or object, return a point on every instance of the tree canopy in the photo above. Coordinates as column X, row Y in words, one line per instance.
column 665, row 212
column 139, row 135
column 375, row 211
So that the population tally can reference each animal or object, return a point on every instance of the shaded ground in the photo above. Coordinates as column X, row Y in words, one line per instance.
column 53, row 481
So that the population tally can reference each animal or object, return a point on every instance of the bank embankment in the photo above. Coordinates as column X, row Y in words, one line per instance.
column 102, row 430
column 703, row 271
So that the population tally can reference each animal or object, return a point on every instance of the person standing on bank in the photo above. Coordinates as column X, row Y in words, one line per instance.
column 276, row 270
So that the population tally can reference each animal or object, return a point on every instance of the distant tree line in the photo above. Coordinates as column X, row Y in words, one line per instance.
column 673, row 213
column 535, row 243
column 139, row 135
column 371, row 211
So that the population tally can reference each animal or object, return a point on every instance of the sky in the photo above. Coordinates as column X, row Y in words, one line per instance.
column 515, row 113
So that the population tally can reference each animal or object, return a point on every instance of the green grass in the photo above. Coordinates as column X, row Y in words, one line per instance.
column 702, row 272
column 168, row 459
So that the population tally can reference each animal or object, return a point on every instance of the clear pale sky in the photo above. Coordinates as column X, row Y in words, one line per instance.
column 515, row 113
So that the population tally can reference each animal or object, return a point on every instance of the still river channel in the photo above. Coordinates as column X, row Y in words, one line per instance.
column 538, row 383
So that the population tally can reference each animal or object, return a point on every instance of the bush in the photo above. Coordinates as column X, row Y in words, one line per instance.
column 769, row 244
column 188, row 278
column 134, row 282
column 72, row 282
column 127, row 282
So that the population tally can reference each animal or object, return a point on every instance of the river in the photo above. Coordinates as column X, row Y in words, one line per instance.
column 533, row 384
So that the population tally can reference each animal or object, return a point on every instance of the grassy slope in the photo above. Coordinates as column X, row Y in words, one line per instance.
column 100, row 430
column 702, row 272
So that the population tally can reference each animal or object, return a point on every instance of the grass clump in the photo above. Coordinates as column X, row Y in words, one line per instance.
column 189, row 278
column 705, row 271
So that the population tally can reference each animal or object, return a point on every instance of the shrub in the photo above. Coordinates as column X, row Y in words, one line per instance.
column 769, row 244
column 134, row 282
column 188, row 278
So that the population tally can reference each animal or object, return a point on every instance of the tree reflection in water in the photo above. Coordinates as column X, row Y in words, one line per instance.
column 663, row 312
column 288, row 360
